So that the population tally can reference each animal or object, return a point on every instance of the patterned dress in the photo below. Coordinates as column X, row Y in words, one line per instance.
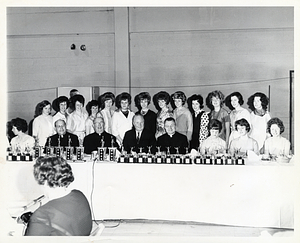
column 161, row 117
column 200, row 129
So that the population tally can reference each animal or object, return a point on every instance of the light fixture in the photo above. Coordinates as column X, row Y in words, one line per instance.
column 83, row 47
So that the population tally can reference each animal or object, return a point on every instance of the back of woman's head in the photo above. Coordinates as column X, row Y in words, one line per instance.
column 20, row 124
column 53, row 171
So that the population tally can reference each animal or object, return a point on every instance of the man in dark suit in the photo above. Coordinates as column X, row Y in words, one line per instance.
column 62, row 137
column 172, row 141
column 139, row 138
column 100, row 138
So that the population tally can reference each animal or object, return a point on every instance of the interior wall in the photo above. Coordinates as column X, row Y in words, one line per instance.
column 39, row 57
column 195, row 50
column 198, row 50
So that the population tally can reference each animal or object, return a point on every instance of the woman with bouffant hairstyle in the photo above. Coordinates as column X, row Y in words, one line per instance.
column 21, row 143
column 215, row 102
column 276, row 145
column 106, row 101
column 200, row 121
column 234, row 102
column 42, row 126
column 142, row 101
column 182, row 115
column 76, row 120
column 161, row 101
column 122, row 118
column 60, row 105
column 67, row 213
column 258, row 104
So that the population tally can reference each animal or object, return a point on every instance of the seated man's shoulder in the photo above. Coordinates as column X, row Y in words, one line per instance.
column 179, row 135
column 73, row 136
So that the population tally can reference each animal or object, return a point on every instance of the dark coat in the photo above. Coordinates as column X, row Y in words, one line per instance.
column 92, row 141
column 63, row 140
column 178, row 140
column 147, row 138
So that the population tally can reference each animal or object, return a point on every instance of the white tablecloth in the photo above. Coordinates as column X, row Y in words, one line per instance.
column 241, row 195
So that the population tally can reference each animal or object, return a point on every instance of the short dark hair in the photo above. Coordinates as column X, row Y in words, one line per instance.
column 90, row 104
column 104, row 97
column 55, row 171
column 122, row 96
column 216, row 93
column 73, row 92
column 228, row 99
column 243, row 122
column 59, row 120
column 169, row 119
column 263, row 98
column 57, row 101
column 78, row 98
column 196, row 97
column 40, row 106
column 278, row 122
column 215, row 124
column 20, row 124
column 161, row 95
column 141, row 96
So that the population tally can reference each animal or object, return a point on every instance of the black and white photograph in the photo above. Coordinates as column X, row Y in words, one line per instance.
column 145, row 122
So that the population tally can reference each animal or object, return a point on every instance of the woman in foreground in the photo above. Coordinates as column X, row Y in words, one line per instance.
column 67, row 213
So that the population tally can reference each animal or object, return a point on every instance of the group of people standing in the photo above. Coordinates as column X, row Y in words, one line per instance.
column 238, row 130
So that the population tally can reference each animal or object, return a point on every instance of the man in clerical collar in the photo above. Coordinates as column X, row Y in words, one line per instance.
column 139, row 138
column 172, row 141
column 100, row 138
column 62, row 138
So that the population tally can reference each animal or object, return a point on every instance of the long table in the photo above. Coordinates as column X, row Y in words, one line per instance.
column 239, row 195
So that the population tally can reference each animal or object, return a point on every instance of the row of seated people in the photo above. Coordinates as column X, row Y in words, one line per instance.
column 140, row 140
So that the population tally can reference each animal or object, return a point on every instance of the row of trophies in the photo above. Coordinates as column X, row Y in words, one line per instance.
column 167, row 158
column 181, row 159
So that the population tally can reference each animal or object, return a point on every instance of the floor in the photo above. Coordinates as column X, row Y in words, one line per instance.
column 140, row 227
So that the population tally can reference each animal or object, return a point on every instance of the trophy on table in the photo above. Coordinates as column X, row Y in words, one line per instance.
column 101, row 151
column 37, row 148
column 48, row 148
column 149, row 155
column 168, row 157
column 177, row 156
column 112, row 151
column 69, row 150
column 59, row 149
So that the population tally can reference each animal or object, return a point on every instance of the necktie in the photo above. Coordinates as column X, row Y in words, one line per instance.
column 138, row 137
